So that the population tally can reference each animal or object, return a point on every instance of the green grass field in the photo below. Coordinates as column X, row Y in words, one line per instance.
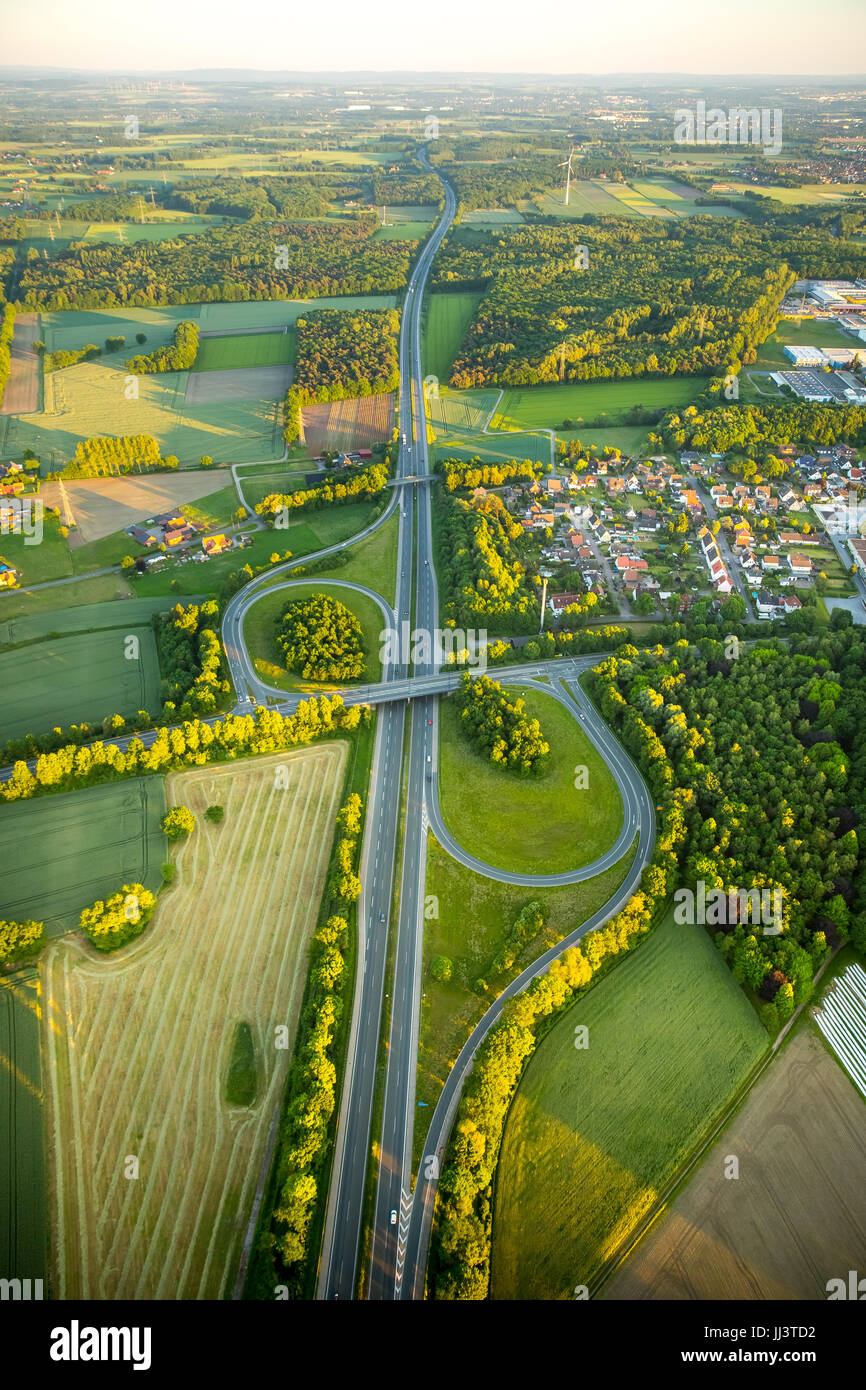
column 23, row 1195
column 63, row 852
column 472, row 917
column 538, row 406
column 242, row 1078
column 127, row 614
column 448, row 317
column 68, row 680
column 103, row 588
column 260, row 627
column 372, row 562
column 595, row 1135
column 243, row 350
column 543, row 824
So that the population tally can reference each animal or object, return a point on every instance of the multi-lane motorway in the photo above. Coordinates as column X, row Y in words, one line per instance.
column 402, row 1217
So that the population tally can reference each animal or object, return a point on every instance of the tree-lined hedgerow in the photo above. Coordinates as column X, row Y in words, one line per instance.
column 192, row 744
column 321, row 639
column 362, row 486
column 499, row 726
column 7, row 328
column 178, row 357
column 108, row 456
column 190, row 659
column 312, row 1087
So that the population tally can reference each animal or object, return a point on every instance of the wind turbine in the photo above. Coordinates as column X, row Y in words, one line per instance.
column 566, row 164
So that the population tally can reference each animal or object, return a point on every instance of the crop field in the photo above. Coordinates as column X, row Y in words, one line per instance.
column 536, row 406
column 260, row 627
column 64, row 851
column 127, row 614
column 23, row 1224
column 88, row 400
column 139, row 1060
column 239, row 384
column 100, row 507
column 595, row 1135
column 492, row 217
column 22, row 388
column 448, row 317
column 228, row 351
column 401, row 231
column 67, row 680
column 795, row 1217
column 357, row 423
column 639, row 198
column 543, row 824
column 814, row 194
column 460, row 410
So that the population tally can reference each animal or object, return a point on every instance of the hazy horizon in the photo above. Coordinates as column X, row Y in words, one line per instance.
column 784, row 39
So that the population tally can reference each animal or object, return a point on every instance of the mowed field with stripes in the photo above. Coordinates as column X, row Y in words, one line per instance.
column 138, row 1045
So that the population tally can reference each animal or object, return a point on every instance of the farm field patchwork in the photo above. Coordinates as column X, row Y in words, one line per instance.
column 671, row 1039
column 88, row 399
column 540, row 824
column 136, row 1060
column 99, row 838
column 796, row 1216
column 81, row 678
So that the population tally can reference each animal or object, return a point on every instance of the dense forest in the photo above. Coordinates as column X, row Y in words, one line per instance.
column 750, row 748
column 341, row 354
column 321, row 639
column 485, row 564
column 190, row 660
column 761, row 429
column 654, row 298
column 251, row 199
column 281, row 260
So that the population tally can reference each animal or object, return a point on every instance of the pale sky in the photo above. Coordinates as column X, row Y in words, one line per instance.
column 581, row 36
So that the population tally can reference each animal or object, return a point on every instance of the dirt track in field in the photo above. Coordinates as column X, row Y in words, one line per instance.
column 21, row 396
column 354, row 424
column 137, row 1045
column 796, row 1215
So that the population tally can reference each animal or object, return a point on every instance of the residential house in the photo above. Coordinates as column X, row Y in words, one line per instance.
column 799, row 563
